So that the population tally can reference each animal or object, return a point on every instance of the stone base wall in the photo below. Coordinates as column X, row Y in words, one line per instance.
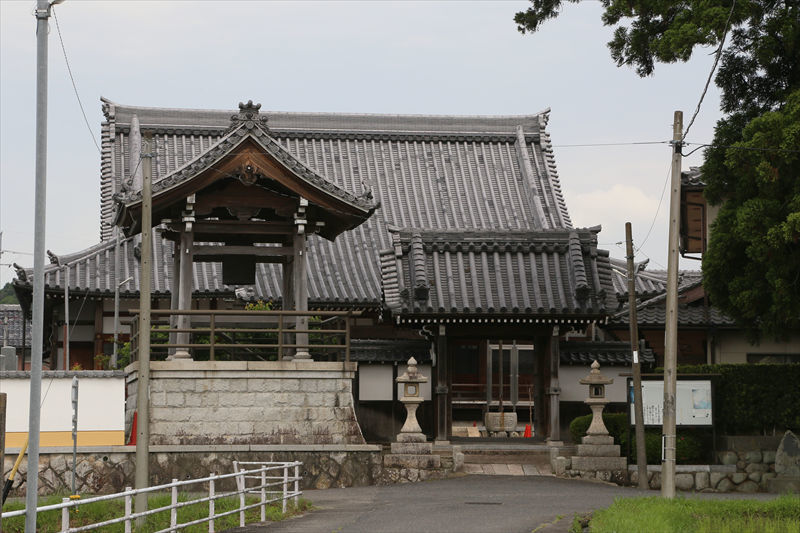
column 242, row 402
column 105, row 470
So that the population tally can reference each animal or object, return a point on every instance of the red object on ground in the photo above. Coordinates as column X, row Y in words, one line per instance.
column 474, row 424
column 132, row 438
column 527, row 433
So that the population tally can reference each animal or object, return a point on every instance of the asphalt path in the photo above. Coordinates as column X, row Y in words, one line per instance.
column 474, row 503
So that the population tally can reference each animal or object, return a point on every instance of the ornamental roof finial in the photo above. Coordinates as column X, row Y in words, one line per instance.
column 249, row 117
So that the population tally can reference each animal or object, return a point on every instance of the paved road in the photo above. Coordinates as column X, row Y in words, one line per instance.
column 464, row 504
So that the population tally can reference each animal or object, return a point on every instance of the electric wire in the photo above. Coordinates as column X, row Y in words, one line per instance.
column 72, row 79
column 711, row 73
column 660, row 201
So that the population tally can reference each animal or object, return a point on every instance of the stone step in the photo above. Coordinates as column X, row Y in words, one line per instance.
column 500, row 458
column 499, row 469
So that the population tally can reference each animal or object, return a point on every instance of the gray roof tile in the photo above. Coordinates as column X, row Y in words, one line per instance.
column 494, row 273
column 604, row 352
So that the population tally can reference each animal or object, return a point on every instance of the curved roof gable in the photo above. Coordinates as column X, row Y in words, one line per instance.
column 249, row 145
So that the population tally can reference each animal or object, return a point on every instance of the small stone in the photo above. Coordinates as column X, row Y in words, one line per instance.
column 765, row 477
column 768, row 456
column 701, row 481
column 604, row 475
column 725, row 485
column 728, row 458
column 755, row 476
column 655, row 481
column 715, row 478
column 741, row 465
column 684, row 481
column 738, row 477
column 748, row 486
column 753, row 456
column 756, row 467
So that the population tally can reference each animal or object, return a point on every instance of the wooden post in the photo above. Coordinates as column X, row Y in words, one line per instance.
column 554, row 389
column 638, row 408
column 174, row 296
column 442, row 386
column 300, row 294
column 671, row 334
column 185, row 289
column 540, row 355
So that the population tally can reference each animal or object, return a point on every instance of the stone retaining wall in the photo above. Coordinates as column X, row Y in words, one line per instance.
column 104, row 470
column 247, row 402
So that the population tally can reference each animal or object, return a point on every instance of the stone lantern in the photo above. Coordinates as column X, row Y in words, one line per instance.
column 597, row 400
column 598, row 456
column 411, row 380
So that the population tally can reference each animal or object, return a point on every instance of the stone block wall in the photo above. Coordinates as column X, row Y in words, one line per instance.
column 228, row 403
column 105, row 470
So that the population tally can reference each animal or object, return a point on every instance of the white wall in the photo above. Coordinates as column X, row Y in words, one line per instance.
column 572, row 391
column 101, row 404
column 733, row 347
column 375, row 382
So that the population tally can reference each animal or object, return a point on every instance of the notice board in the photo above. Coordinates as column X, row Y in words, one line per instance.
column 693, row 402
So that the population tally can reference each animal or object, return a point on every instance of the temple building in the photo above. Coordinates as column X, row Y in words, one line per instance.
column 447, row 237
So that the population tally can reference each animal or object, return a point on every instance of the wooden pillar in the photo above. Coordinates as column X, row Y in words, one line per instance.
column 186, row 249
column 540, row 354
column 300, row 279
column 98, row 330
column 554, row 389
column 442, row 388
column 174, row 296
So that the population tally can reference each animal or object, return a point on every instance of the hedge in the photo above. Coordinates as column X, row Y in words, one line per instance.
column 693, row 446
column 753, row 399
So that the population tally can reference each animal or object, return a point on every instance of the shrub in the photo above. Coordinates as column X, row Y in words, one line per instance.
column 753, row 398
column 692, row 447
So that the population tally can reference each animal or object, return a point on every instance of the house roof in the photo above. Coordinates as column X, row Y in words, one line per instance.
column 653, row 311
column 394, row 350
column 555, row 273
column 648, row 283
column 604, row 352
column 692, row 179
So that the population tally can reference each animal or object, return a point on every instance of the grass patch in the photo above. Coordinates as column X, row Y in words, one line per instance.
column 659, row 515
column 50, row 521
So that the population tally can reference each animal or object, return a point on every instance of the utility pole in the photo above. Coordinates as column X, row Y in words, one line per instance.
column 42, row 15
column 638, row 408
column 142, row 475
column 671, row 333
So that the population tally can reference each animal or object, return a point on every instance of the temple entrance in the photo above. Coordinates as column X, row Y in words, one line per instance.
column 491, row 376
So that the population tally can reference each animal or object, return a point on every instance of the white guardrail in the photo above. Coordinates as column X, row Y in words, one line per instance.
column 261, row 478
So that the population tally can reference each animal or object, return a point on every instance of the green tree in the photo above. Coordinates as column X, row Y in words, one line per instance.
column 7, row 295
column 752, row 268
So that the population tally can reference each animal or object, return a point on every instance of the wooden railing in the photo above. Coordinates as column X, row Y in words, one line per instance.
column 248, row 335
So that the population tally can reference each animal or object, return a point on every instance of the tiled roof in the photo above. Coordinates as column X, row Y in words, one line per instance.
column 692, row 178
column 436, row 173
column 246, row 126
column 649, row 283
column 653, row 312
column 331, row 282
column 604, row 352
column 11, row 323
column 395, row 350
column 50, row 374
column 557, row 273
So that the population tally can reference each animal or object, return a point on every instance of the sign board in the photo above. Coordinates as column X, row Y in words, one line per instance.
column 693, row 402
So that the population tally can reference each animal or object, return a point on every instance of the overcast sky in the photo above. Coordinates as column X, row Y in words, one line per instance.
column 364, row 57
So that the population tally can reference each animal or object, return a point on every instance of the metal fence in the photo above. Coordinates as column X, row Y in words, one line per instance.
column 271, row 481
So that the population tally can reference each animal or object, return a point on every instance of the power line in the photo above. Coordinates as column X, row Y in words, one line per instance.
column 733, row 147
column 72, row 79
column 608, row 144
column 711, row 73
column 660, row 200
